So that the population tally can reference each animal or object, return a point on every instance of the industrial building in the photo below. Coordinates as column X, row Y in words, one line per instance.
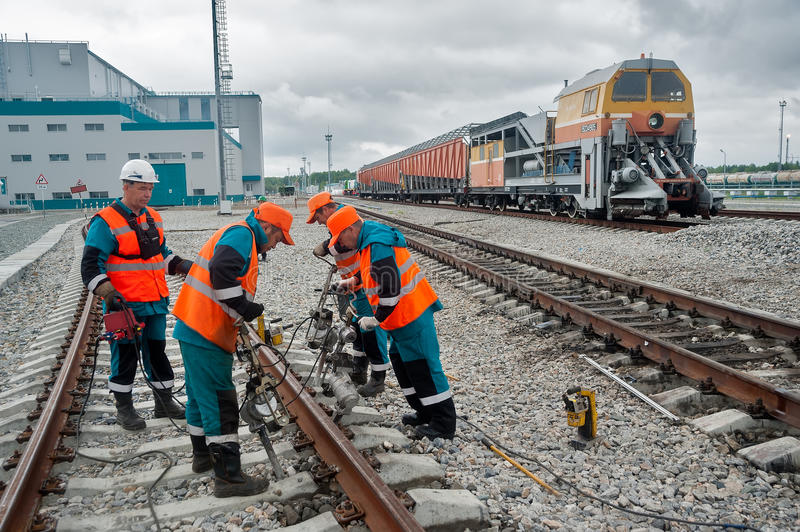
column 70, row 118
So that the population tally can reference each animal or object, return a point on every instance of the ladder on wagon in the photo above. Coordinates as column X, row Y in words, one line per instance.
column 549, row 170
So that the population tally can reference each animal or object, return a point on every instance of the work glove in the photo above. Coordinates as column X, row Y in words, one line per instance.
column 368, row 323
column 184, row 267
column 112, row 298
column 252, row 311
column 344, row 286
column 320, row 250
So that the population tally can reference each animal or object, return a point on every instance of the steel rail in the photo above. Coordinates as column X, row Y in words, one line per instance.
column 779, row 402
column 22, row 495
column 750, row 319
column 383, row 510
column 774, row 215
column 664, row 226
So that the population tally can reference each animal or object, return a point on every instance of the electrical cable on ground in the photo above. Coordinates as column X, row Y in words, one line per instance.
column 602, row 501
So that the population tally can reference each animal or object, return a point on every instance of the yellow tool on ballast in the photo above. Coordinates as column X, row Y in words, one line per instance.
column 581, row 413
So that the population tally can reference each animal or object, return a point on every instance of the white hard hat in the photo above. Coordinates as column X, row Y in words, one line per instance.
column 138, row 171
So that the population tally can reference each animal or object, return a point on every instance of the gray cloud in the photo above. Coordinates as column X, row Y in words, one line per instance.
column 386, row 75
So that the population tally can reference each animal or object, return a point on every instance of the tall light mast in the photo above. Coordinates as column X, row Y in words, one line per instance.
column 223, row 74
column 782, row 103
column 328, row 139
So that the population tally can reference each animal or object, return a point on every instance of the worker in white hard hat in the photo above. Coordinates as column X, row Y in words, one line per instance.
column 124, row 262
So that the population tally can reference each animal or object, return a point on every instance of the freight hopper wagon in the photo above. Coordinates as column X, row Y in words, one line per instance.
column 621, row 144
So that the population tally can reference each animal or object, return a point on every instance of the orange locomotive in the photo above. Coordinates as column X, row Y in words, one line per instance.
column 620, row 145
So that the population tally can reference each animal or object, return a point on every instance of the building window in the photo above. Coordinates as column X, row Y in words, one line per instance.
column 198, row 192
column 205, row 108
column 94, row 127
column 20, row 157
column 56, row 127
column 134, row 155
column 98, row 195
column 95, row 156
column 24, row 196
column 183, row 108
column 59, row 157
column 62, row 195
column 197, row 155
column 17, row 128
column 165, row 155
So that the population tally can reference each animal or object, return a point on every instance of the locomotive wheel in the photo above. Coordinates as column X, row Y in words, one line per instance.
column 502, row 205
column 490, row 202
column 553, row 211
column 572, row 210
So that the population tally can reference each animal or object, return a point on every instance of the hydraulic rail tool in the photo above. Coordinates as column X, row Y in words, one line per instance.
column 582, row 413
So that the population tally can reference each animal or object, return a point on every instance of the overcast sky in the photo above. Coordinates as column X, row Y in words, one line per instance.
column 387, row 75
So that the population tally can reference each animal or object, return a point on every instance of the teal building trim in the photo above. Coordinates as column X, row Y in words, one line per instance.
column 251, row 178
column 165, row 126
column 232, row 140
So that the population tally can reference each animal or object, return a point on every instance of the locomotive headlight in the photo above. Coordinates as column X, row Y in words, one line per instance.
column 655, row 121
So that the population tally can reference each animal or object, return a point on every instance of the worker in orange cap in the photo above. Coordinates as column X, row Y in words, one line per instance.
column 403, row 303
column 216, row 297
column 369, row 347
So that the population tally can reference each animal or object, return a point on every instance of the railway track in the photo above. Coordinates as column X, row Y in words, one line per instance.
column 771, row 215
column 701, row 340
column 647, row 225
column 71, row 467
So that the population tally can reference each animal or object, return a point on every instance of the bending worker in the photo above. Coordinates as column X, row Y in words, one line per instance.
column 403, row 303
column 216, row 297
column 124, row 260
column 370, row 345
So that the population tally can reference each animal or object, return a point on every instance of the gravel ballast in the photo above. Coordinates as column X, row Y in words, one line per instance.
column 508, row 380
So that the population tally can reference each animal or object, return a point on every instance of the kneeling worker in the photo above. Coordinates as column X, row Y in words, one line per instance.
column 403, row 303
column 216, row 297
column 370, row 346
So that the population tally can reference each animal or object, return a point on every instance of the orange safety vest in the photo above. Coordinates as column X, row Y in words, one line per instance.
column 347, row 262
column 416, row 294
column 198, row 304
column 137, row 279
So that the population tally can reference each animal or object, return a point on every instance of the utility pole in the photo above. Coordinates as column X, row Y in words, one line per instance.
column 782, row 104
column 724, row 164
column 303, row 174
column 788, row 135
column 329, row 137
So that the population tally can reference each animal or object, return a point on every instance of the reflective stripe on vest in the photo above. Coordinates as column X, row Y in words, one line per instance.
column 347, row 262
column 199, row 305
column 136, row 279
column 415, row 296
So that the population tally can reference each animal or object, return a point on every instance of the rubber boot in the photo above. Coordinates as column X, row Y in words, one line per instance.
column 443, row 421
column 166, row 405
column 127, row 417
column 359, row 375
column 374, row 386
column 229, row 481
column 201, row 459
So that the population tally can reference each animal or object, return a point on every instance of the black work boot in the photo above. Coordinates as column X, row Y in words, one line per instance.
column 166, row 405
column 416, row 418
column 374, row 386
column 201, row 459
column 359, row 375
column 126, row 414
column 229, row 481
column 442, row 423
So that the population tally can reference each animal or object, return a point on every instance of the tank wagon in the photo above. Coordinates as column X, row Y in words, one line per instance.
column 620, row 144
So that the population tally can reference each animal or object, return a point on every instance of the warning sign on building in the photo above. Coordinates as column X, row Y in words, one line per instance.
column 41, row 180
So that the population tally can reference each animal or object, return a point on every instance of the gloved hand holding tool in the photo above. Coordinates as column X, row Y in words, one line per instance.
column 252, row 310
column 112, row 298
column 368, row 323
column 344, row 286
column 321, row 249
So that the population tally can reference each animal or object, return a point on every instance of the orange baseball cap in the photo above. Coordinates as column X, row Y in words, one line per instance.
column 341, row 220
column 277, row 216
column 317, row 201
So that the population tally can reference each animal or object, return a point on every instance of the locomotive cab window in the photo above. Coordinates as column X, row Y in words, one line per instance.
column 666, row 87
column 630, row 87
column 590, row 100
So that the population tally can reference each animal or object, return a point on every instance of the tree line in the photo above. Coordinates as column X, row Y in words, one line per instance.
column 752, row 168
column 273, row 184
